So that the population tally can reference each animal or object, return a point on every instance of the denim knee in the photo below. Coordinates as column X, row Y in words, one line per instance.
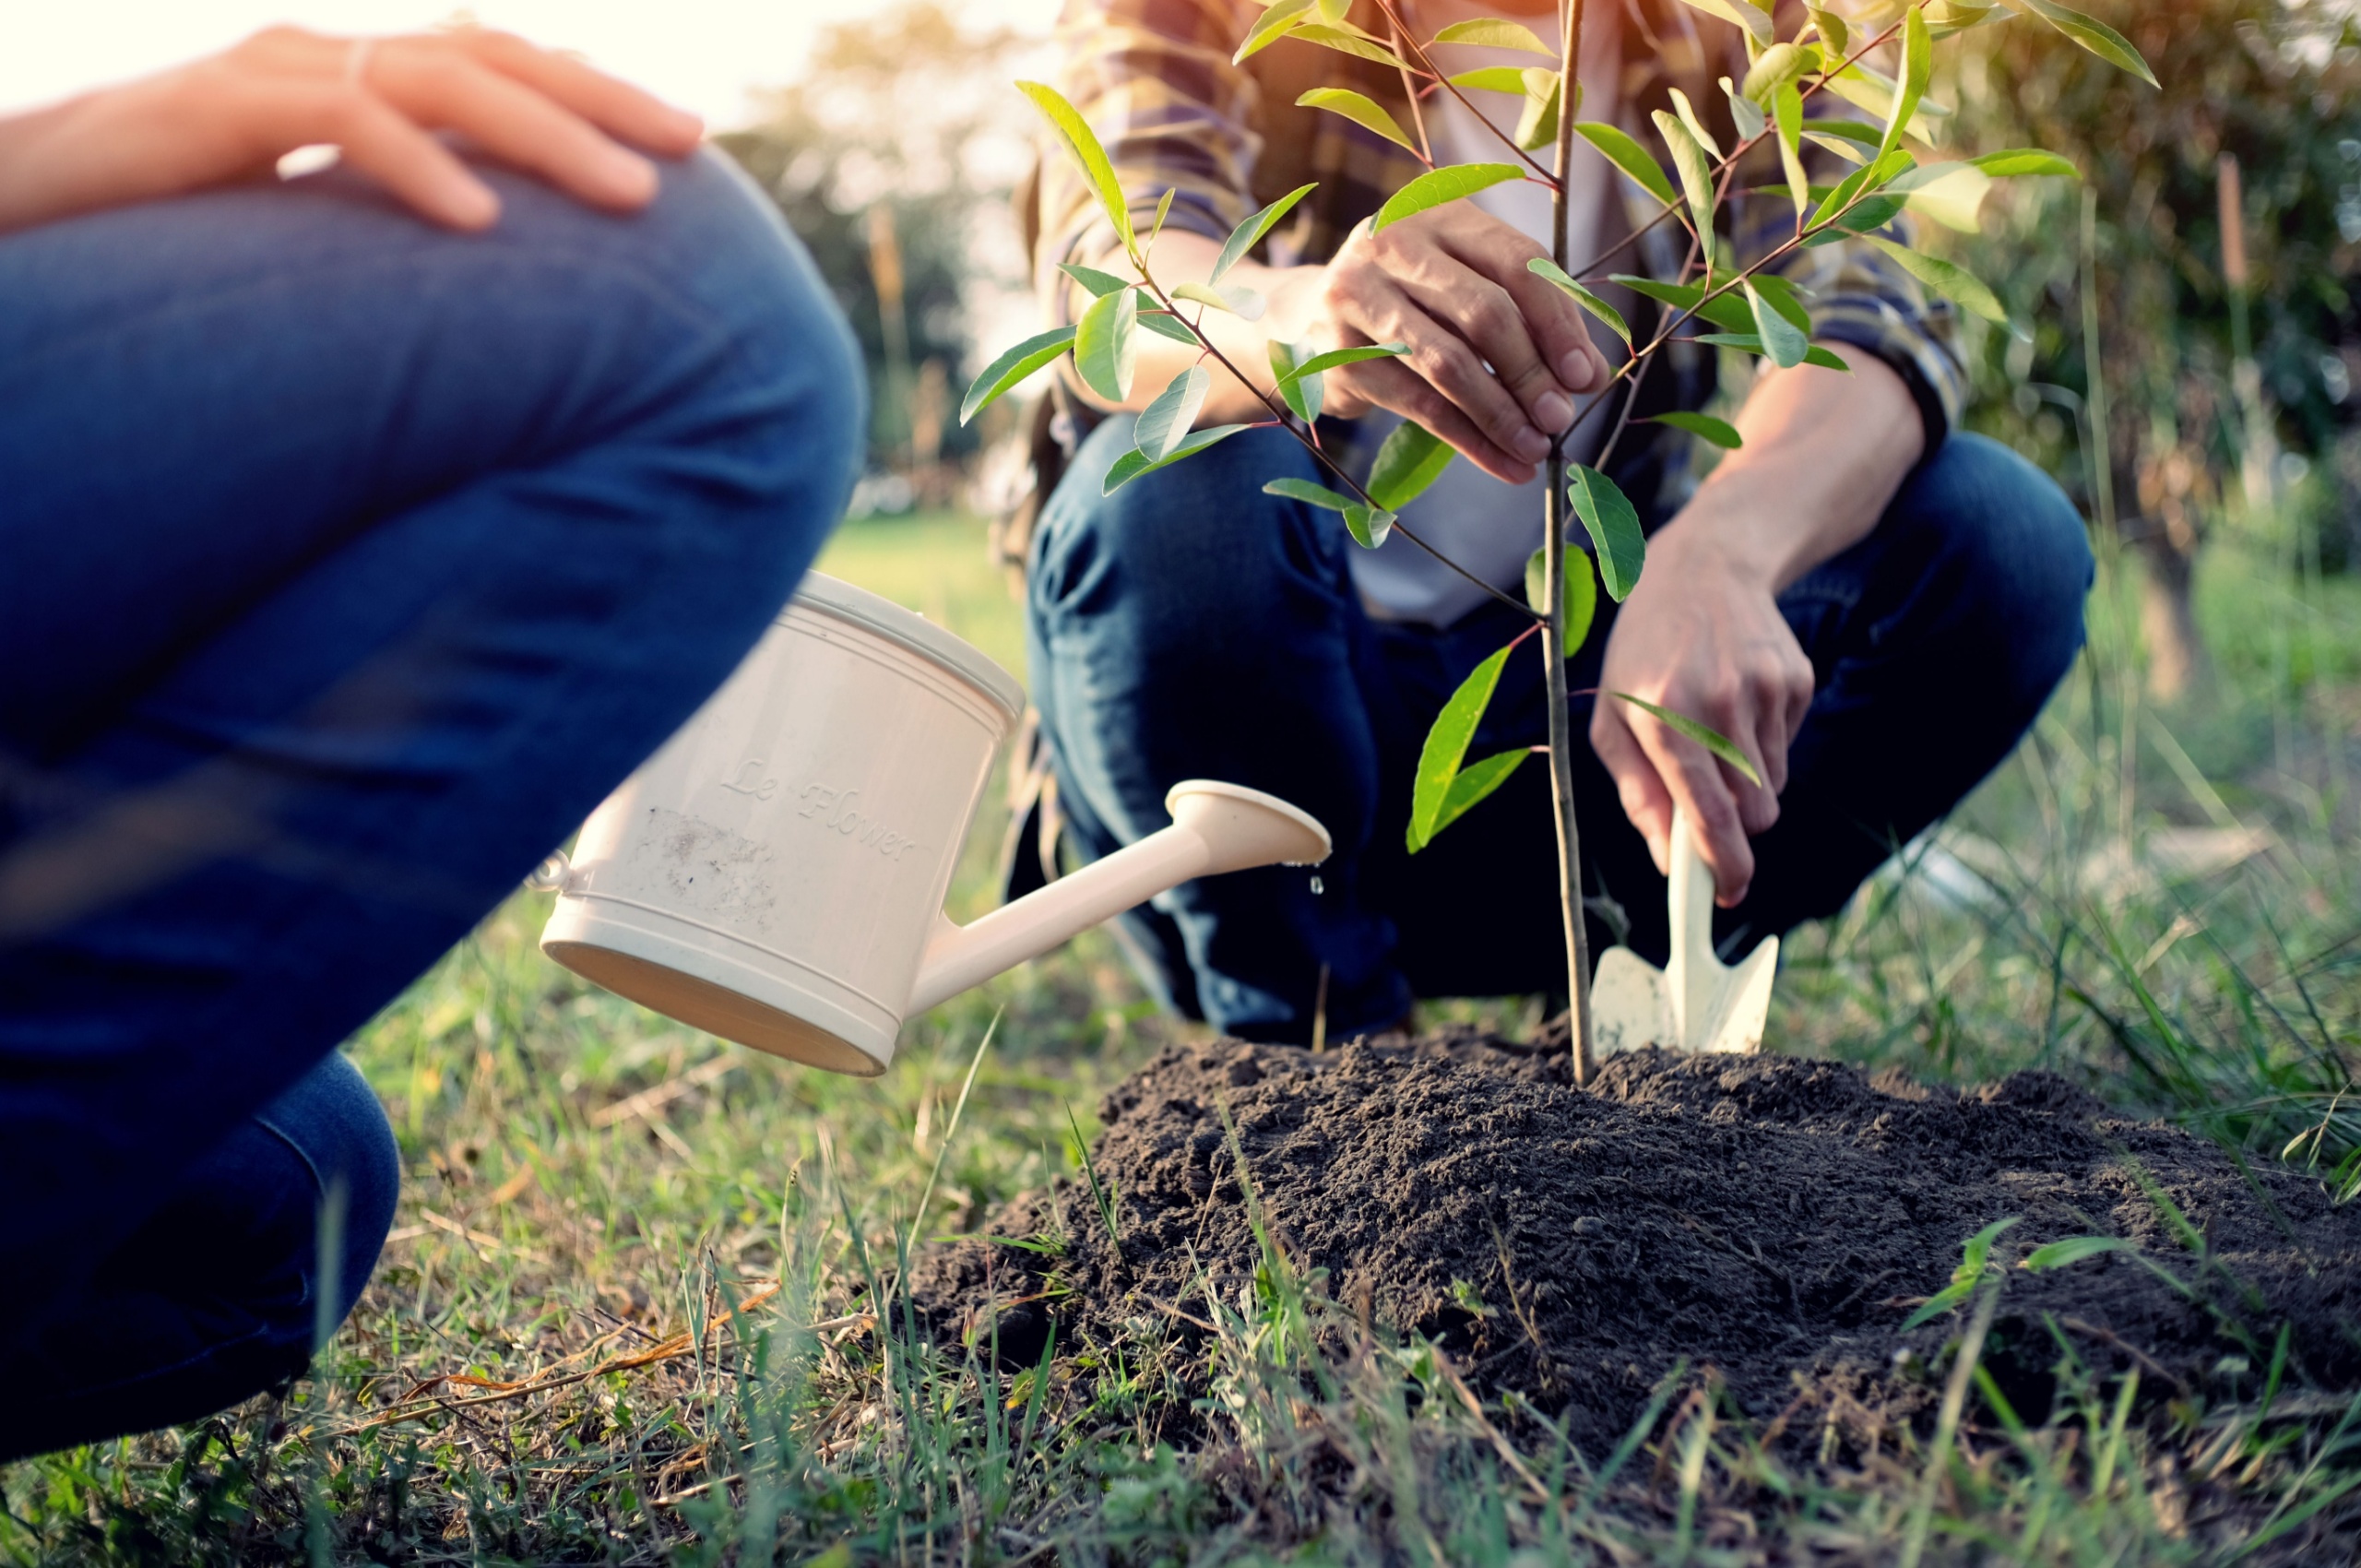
column 332, row 1122
column 728, row 354
column 2016, row 555
column 800, row 393
column 1194, row 554
column 219, row 1292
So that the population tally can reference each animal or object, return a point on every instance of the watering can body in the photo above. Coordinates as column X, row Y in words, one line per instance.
column 774, row 875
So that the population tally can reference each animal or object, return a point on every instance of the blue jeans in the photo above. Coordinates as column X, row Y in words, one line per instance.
column 349, row 564
column 1191, row 625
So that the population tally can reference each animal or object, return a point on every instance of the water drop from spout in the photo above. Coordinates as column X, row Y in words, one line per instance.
column 1316, row 888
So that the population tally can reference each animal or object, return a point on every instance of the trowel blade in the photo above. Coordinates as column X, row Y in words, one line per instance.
column 1629, row 1006
column 1744, row 1005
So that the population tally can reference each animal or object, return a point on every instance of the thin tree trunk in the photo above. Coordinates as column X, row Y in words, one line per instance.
column 1553, row 632
column 2176, row 656
column 2165, row 537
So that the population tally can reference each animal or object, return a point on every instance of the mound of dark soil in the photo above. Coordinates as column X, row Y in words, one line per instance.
column 1775, row 1219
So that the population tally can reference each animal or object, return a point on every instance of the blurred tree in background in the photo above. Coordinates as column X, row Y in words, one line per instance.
column 2135, row 259
column 894, row 160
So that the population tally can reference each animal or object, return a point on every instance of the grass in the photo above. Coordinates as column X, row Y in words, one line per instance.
column 638, row 1305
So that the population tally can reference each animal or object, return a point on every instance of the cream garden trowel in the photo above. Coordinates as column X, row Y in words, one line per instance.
column 1695, row 1003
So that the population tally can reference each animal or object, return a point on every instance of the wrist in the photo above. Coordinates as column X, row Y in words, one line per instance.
column 1731, row 544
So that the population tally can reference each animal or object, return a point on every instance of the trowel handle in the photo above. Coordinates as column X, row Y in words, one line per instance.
column 1692, row 901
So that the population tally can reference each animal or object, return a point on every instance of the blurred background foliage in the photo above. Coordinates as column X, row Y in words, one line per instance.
column 895, row 158
column 2261, row 96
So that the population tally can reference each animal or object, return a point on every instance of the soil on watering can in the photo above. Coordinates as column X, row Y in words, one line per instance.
column 1771, row 1219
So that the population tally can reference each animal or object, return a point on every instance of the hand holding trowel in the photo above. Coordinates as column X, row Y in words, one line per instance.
column 1695, row 1003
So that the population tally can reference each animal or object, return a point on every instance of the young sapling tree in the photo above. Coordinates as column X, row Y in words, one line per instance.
column 1797, row 91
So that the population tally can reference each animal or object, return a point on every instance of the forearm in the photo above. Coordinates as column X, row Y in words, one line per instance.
column 1824, row 453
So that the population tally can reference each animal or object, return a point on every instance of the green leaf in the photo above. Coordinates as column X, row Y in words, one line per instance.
column 2094, row 35
column 1474, row 782
column 1833, row 31
column 1537, row 126
column 1784, row 297
column 1705, row 427
column 1950, row 194
column 1874, row 91
column 1614, row 527
column 1777, row 65
column 1787, row 109
column 1346, row 39
column 1446, row 746
column 1917, row 63
column 1311, row 495
column 1440, row 186
column 1274, row 25
column 2022, row 160
column 1866, row 216
column 1243, row 303
column 1686, row 112
column 1751, row 343
column 1368, row 528
column 1132, row 464
column 1360, row 109
column 1749, row 117
column 1937, row 1304
column 1165, row 423
column 1859, row 131
column 1696, row 178
column 1840, row 146
column 1491, row 34
column 1082, row 142
column 1335, row 357
column 1105, row 350
column 1166, row 325
column 1725, row 311
column 1784, row 341
column 1541, row 266
column 1954, row 283
column 1738, row 13
column 1163, row 210
column 1410, row 460
column 1618, row 148
column 1582, row 592
column 1100, row 284
column 1301, row 392
column 1493, row 78
column 2073, row 1249
column 1866, row 178
column 1334, row 11
column 1249, row 234
column 1013, row 366
column 1712, row 740
column 1977, row 1249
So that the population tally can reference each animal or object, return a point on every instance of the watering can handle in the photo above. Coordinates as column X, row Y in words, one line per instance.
column 1216, row 827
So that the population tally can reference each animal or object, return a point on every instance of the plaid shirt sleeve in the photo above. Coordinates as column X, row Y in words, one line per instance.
column 1153, row 79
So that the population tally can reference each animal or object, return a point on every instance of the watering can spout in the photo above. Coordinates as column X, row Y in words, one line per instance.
column 1216, row 827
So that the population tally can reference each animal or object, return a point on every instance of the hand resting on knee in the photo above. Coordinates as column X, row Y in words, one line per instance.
column 232, row 115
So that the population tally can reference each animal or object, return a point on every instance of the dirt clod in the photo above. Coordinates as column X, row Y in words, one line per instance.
column 1771, row 1219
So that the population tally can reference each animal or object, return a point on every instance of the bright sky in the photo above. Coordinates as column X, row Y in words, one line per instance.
column 702, row 54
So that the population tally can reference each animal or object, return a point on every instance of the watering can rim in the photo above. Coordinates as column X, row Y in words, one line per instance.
column 874, row 612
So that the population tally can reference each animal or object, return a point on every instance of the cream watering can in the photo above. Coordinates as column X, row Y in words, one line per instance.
column 775, row 874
